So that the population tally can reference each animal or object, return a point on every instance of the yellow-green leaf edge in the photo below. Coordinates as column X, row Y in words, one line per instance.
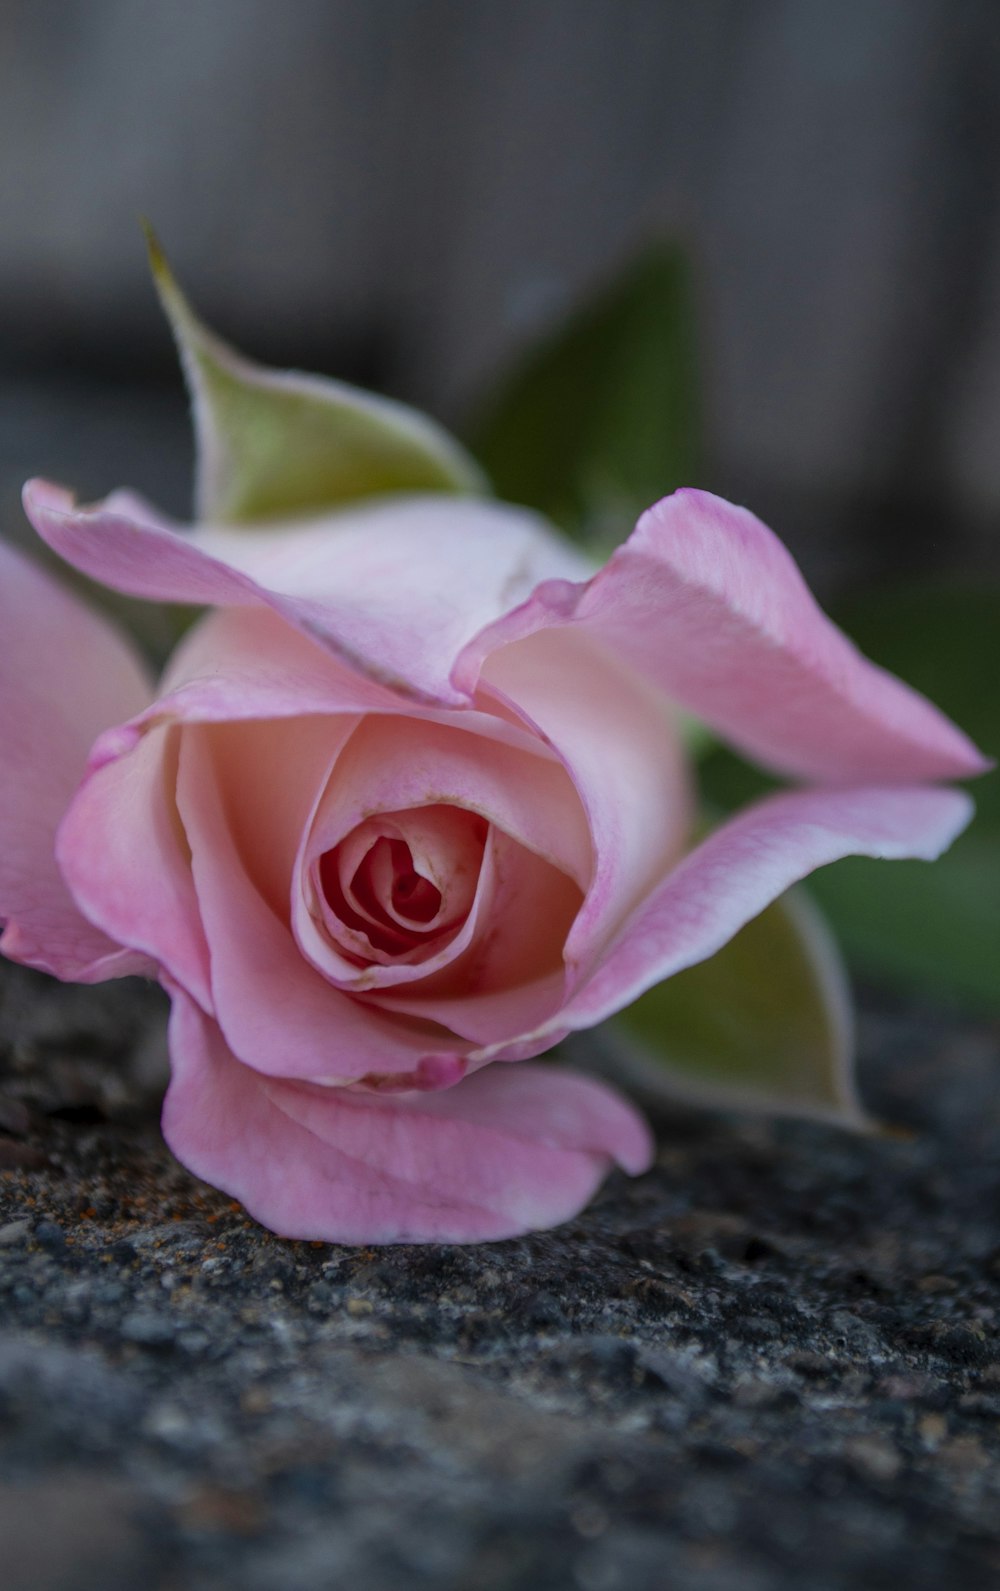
column 277, row 444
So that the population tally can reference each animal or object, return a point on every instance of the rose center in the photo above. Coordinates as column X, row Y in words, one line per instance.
column 388, row 878
column 402, row 883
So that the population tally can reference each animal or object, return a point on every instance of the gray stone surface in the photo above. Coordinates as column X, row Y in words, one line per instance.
column 772, row 1364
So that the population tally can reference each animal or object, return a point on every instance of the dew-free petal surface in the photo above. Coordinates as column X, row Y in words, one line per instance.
column 509, row 1150
column 466, row 562
column 512, row 976
column 123, row 851
column 747, row 863
column 619, row 743
column 65, row 675
column 706, row 603
column 278, row 1013
column 474, row 762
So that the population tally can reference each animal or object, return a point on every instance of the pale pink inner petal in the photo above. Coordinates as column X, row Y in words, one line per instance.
column 124, row 854
column 390, row 880
column 251, row 663
column 430, row 790
column 245, row 792
column 619, row 741
column 270, row 777
column 345, row 948
column 417, row 869
column 394, row 763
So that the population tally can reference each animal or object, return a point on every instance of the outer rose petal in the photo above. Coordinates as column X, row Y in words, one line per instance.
column 65, row 675
column 124, row 855
column 704, row 601
column 749, row 862
column 234, row 666
column 396, row 589
column 510, row 1150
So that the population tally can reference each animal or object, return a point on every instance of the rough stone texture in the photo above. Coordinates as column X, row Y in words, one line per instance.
column 771, row 1364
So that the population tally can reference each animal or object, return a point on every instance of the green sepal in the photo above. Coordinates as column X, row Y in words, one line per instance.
column 276, row 444
column 765, row 1024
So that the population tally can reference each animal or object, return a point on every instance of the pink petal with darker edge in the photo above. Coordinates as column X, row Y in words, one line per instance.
column 65, row 675
column 122, row 850
column 510, row 1150
column 337, row 578
column 747, row 863
column 706, row 603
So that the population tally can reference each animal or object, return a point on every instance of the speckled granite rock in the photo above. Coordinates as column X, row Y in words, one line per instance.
column 772, row 1363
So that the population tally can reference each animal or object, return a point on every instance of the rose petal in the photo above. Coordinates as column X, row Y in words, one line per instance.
column 65, row 674
column 122, row 850
column 337, row 578
column 511, row 1150
column 707, row 603
column 513, row 782
column 443, row 851
column 749, row 862
column 277, row 1012
column 251, row 663
column 333, row 945
column 395, row 763
column 237, row 665
column 619, row 742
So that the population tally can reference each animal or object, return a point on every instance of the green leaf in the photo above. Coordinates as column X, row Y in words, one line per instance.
column 277, row 443
column 764, row 1024
column 602, row 418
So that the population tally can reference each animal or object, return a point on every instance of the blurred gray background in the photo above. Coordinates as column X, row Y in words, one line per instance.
column 405, row 192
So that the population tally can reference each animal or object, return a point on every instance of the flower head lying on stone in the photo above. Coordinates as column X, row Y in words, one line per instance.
column 408, row 806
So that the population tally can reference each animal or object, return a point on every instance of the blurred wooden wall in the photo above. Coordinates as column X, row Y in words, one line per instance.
column 411, row 188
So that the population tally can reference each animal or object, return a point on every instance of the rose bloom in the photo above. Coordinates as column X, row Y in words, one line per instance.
column 408, row 806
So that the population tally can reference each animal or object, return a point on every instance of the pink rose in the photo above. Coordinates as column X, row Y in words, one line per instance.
column 409, row 805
